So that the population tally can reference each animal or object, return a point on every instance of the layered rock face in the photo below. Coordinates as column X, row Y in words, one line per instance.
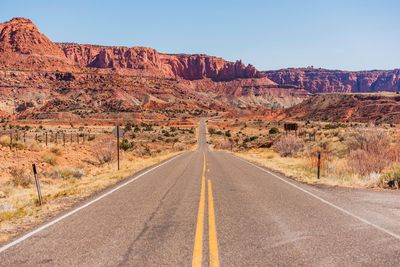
column 377, row 107
column 322, row 81
column 195, row 67
column 189, row 67
column 40, row 79
column 23, row 47
column 22, row 36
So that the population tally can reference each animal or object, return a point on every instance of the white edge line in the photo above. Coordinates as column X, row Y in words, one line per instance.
column 43, row 227
column 324, row 201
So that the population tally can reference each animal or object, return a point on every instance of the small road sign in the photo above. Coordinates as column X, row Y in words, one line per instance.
column 119, row 132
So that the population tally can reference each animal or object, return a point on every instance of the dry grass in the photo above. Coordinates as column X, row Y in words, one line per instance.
column 20, row 177
column 356, row 155
column 289, row 146
column 64, row 193
column 72, row 172
column 104, row 150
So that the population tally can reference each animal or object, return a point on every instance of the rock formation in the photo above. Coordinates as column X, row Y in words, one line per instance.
column 349, row 107
column 40, row 79
column 336, row 81
column 148, row 60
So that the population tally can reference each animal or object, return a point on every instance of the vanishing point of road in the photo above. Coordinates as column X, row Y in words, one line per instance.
column 211, row 208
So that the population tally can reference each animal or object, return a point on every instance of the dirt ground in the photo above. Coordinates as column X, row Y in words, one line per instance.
column 260, row 140
column 72, row 171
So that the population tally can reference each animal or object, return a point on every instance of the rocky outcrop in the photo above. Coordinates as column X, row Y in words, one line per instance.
column 39, row 77
column 23, row 47
column 372, row 107
column 196, row 67
column 322, row 80
column 189, row 67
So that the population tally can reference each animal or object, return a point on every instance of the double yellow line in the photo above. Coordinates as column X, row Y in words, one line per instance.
column 212, row 231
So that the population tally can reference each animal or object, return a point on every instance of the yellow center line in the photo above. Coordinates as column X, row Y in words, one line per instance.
column 198, row 242
column 212, row 230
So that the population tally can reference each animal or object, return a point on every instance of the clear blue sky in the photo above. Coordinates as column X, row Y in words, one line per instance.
column 335, row 34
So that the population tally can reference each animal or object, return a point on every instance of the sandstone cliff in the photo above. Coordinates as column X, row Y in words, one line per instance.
column 349, row 107
column 40, row 79
column 148, row 60
column 23, row 47
column 322, row 80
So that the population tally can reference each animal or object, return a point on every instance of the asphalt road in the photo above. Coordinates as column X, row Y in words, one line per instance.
column 209, row 208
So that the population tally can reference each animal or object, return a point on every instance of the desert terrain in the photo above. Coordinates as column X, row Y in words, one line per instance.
column 189, row 122
column 76, row 162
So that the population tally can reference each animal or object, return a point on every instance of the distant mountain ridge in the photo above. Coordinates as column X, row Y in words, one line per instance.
column 337, row 81
column 40, row 79
column 21, row 42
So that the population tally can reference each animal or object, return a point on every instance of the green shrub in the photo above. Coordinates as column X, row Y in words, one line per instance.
column 125, row 144
column 273, row 130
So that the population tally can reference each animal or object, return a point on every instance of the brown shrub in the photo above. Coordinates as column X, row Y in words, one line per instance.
column 369, row 151
column 288, row 145
column 105, row 150
column 20, row 177
column 49, row 158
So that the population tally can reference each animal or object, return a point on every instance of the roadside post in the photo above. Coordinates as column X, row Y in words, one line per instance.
column 319, row 164
column 46, row 138
column 39, row 191
column 118, row 133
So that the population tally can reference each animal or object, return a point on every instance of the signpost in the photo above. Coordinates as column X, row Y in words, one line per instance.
column 290, row 127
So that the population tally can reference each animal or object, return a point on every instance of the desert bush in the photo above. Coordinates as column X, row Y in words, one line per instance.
column 49, row 158
column 369, row 151
column 105, row 151
column 32, row 146
column 55, row 151
column 273, row 130
column 212, row 130
column 288, row 145
column 67, row 173
column 20, row 177
column 390, row 175
column 128, row 127
column 125, row 144
column 5, row 140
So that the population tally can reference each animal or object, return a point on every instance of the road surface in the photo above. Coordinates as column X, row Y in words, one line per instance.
column 210, row 208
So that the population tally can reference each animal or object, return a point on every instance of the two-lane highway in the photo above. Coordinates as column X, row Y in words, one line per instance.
column 210, row 208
